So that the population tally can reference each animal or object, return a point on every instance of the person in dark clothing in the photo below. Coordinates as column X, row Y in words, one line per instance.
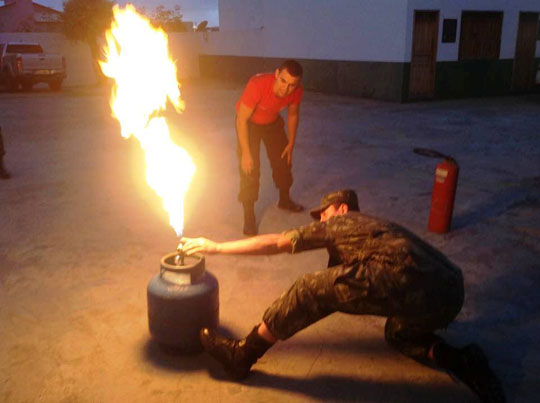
column 258, row 119
column 3, row 173
column 375, row 267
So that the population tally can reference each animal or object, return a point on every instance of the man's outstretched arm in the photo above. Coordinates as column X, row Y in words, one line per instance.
column 268, row 244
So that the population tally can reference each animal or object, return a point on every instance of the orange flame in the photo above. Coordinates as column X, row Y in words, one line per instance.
column 138, row 60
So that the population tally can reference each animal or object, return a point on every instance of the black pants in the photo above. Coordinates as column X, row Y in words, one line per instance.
column 275, row 140
column 413, row 315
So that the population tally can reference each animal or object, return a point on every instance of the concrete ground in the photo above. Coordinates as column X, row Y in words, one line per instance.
column 81, row 235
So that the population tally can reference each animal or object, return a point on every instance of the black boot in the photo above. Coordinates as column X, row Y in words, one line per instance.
column 3, row 173
column 286, row 203
column 470, row 365
column 250, row 225
column 237, row 356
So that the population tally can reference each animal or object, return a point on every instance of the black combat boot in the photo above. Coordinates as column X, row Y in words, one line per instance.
column 250, row 225
column 286, row 203
column 237, row 356
column 470, row 365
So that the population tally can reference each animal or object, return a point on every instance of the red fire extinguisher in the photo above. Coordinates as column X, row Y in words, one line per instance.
column 444, row 191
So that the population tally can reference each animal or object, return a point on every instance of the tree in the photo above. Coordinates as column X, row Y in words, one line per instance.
column 169, row 20
column 87, row 21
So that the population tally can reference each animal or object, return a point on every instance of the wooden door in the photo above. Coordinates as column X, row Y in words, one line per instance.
column 424, row 54
column 480, row 37
column 524, row 65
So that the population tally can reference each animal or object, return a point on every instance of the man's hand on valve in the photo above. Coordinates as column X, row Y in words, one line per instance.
column 191, row 246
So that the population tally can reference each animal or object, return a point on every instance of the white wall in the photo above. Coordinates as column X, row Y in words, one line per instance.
column 453, row 9
column 332, row 30
column 185, row 48
column 374, row 30
column 246, row 42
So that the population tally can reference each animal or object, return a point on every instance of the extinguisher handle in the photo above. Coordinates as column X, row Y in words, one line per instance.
column 426, row 152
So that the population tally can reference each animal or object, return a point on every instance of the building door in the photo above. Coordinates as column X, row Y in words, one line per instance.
column 424, row 54
column 524, row 66
column 480, row 37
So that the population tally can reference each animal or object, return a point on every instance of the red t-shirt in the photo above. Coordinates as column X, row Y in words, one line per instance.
column 259, row 94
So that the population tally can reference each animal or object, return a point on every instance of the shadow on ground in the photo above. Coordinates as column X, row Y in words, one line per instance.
column 505, row 325
column 348, row 388
column 527, row 192
column 173, row 359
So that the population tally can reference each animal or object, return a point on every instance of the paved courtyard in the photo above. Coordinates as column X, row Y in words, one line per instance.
column 81, row 235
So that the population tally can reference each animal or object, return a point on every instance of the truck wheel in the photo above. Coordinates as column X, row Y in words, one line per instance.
column 12, row 84
column 55, row 85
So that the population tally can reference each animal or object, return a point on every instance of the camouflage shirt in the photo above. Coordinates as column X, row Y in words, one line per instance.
column 383, row 253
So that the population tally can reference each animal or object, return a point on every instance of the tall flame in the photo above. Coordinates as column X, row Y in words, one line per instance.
column 138, row 60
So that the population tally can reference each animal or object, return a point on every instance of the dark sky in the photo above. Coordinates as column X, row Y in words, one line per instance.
column 192, row 10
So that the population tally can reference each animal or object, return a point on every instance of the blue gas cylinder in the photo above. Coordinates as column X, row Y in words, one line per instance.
column 182, row 299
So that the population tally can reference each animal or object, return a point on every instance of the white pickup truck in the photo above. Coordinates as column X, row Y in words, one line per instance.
column 25, row 64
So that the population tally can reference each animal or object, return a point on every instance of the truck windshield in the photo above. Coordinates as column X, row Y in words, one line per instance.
column 22, row 48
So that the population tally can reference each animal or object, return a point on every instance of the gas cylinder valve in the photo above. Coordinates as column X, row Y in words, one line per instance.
column 179, row 258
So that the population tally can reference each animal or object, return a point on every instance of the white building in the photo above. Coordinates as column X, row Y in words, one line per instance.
column 387, row 49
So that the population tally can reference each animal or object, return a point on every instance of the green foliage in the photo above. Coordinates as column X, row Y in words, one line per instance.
column 169, row 19
column 163, row 14
column 86, row 20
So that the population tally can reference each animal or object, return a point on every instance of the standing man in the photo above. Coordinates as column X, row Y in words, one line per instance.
column 375, row 268
column 258, row 118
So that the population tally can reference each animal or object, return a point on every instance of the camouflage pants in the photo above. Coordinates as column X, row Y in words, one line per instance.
column 410, row 325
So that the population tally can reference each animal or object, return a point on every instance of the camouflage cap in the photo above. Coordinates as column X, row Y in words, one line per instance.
column 347, row 196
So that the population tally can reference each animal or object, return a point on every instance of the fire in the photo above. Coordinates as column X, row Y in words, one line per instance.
column 138, row 60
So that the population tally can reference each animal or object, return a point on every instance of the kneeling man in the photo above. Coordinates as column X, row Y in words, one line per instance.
column 375, row 268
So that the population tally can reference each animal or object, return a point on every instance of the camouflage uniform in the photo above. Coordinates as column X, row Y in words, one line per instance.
column 375, row 268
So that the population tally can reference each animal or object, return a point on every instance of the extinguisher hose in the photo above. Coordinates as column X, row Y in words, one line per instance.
column 426, row 152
